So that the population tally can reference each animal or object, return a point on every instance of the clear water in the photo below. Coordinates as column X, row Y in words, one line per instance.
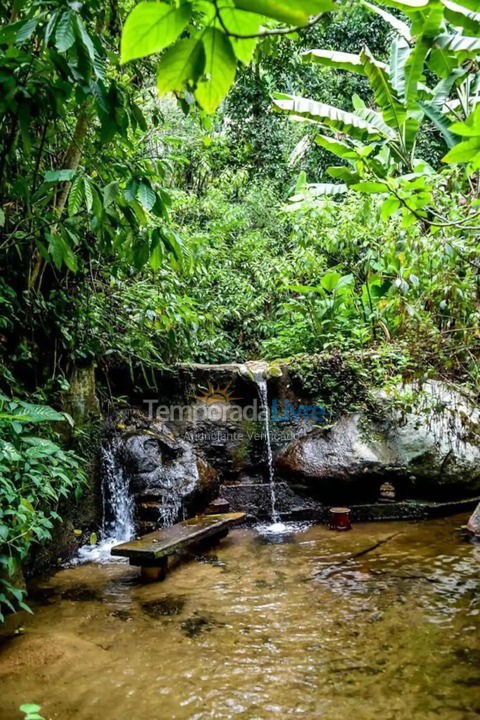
column 117, row 522
column 257, row 630
column 261, row 382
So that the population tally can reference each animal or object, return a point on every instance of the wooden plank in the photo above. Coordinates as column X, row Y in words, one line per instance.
column 166, row 541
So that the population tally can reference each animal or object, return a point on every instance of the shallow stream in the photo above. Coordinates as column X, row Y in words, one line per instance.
column 258, row 630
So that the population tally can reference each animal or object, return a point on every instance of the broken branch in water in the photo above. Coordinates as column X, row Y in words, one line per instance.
column 358, row 554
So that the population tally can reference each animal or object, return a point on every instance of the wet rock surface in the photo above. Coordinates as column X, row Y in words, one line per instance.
column 424, row 441
column 474, row 522
column 431, row 451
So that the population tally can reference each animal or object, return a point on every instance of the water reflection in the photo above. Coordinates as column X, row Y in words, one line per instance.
column 316, row 627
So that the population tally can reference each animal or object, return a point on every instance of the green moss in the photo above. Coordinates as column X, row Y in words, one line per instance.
column 342, row 383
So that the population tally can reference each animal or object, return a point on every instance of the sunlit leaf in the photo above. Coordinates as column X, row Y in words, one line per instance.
column 151, row 27
column 181, row 63
column 220, row 68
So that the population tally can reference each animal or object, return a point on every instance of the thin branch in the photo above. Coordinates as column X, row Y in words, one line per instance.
column 266, row 33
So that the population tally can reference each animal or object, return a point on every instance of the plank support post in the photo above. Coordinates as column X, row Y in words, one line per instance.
column 154, row 573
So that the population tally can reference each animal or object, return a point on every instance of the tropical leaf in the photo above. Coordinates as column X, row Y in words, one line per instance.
column 376, row 120
column 462, row 17
column 220, row 68
column 407, row 6
column 337, row 147
column 314, row 190
column 32, row 413
column 399, row 53
column 340, row 172
column 239, row 22
column 292, row 12
column 414, row 70
column 146, row 196
column 393, row 111
column 151, row 27
column 471, row 126
column 59, row 175
column 332, row 58
column 348, row 123
column 181, row 63
column 441, row 92
column 64, row 33
column 441, row 122
column 397, row 24
column 458, row 43
column 88, row 190
column 75, row 196
column 464, row 152
column 467, row 4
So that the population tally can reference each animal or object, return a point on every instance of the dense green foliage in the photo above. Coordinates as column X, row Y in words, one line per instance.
column 144, row 231
column 35, row 473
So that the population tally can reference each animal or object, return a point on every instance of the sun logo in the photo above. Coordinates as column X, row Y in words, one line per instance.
column 216, row 394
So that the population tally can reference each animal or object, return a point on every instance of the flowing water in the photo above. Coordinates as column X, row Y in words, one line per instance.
column 261, row 383
column 311, row 628
column 117, row 505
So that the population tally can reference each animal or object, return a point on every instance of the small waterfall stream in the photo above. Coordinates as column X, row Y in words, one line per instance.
column 259, row 376
column 117, row 505
column 117, row 521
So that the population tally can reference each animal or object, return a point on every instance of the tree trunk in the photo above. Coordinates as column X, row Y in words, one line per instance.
column 71, row 162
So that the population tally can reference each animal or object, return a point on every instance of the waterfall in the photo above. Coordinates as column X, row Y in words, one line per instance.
column 261, row 383
column 117, row 520
column 117, row 505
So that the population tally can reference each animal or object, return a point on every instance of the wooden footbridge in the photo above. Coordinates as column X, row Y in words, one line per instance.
column 151, row 552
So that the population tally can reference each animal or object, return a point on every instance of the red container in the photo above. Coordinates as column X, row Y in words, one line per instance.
column 339, row 518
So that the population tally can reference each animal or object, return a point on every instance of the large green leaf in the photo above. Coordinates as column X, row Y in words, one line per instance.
column 340, row 172
column 220, row 67
column 458, row 43
column 31, row 413
column 393, row 111
column 239, row 22
column 443, row 89
column 468, row 4
column 441, row 122
column 151, row 27
column 471, row 126
column 328, row 115
column 432, row 19
column 414, row 69
column 372, row 117
column 399, row 53
column 335, row 59
column 75, row 196
column 320, row 190
column 337, row 147
column 64, row 33
column 442, row 63
column 397, row 24
column 464, row 152
column 292, row 12
column 59, row 175
column 408, row 6
column 181, row 63
column 461, row 17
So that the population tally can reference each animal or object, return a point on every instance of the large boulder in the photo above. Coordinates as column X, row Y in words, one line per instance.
column 427, row 444
column 474, row 522
column 165, row 475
